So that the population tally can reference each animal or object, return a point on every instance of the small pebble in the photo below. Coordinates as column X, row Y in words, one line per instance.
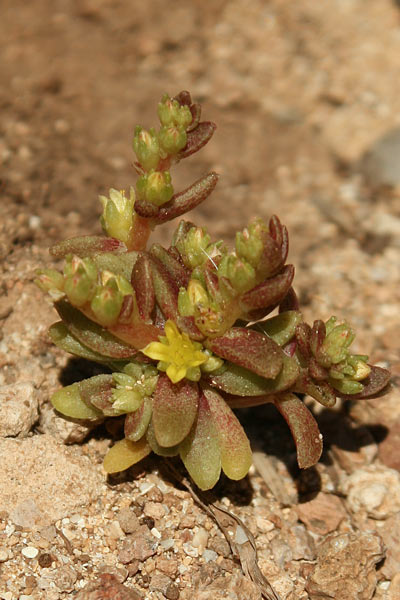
column 30, row 552
column 4, row 555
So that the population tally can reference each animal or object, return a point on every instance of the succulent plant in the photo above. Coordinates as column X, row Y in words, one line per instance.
column 185, row 332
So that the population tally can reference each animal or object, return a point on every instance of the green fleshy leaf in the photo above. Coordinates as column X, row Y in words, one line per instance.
column 62, row 338
column 124, row 454
column 155, row 446
column 174, row 410
column 200, row 450
column 242, row 382
column 236, row 456
column 118, row 264
column 249, row 349
column 68, row 401
column 97, row 392
column 136, row 423
column 304, row 429
column 282, row 327
column 93, row 335
column 87, row 245
column 376, row 381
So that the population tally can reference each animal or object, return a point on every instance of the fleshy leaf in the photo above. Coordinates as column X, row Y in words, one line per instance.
column 136, row 423
column 175, row 268
column 373, row 384
column 97, row 392
column 200, row 450
column 118, row 264
column 304, row 429
column 62, row 338
column 236, row 456
column 188, row 198
column 143, row 285
column 249, row 349
column 124, row 454
column 282, row 327
column 69, row 402
column 91, row 334
column 197, row 138
column 242, row 382
column 155, row 446
column 174, row 410
column 270, row 292
column 87, row 245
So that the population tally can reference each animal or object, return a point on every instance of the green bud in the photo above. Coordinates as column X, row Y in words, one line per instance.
column 239, row 272
column 146, row 148
column 337, row 342
column 155, row 187
column 172, row 139
column 170, row 112
column 194, row 247
column 51, row 281
column 107, row 303
column 117, row 217
column 249, row 243
column 80, row 279
column 346, row 386
column 126, row 400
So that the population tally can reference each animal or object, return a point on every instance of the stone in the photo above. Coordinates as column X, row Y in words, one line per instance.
column 39, row 479
column 160, row 583
column 68, row 431
column 345, row 567
column 381, row 163
column 128, row 521
column 155, row 510
column 107, row 587
column 389, row 448
column 236, row 587
column 374, row 489
column 138, row 546
column 394, row 589
column 390, row 534
column 322, row 514
column 19, row 409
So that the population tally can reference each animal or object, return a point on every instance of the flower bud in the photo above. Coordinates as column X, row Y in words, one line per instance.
column 337, row 341
column 155, row 187
column 194, row 246
column 172, row 139
column 170, row 112
column 109, row 295
column 239, row 272
column 80, row 279
column 146, row 148
column 249, row 243
column 51, row 281
column 117, row 217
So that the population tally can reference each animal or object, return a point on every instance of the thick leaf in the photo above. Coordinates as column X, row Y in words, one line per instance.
column 174, row 267
column 91, row 334
column 174, row 410
column 87, row 246
column 269, row 293
column 304, row 429
column 155, row 446
column 319, row 390
column 124, row 454
column 97, row 393
column 142, row 283
column 62, row 338
column 187, row 199
column 280, row 328
column 197, row 138
column 373, row 384
column 136, row 423
column 249, row 349
column 119, row 264
column 236, row 456
column 68, row 401
column 242, row 382
column 290, row 302
column 200, row 450
column 280, row 234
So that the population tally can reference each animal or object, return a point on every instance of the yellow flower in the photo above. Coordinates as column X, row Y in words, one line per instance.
column 178, row 355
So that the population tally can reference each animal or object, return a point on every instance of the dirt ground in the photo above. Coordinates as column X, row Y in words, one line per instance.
column 303, row 93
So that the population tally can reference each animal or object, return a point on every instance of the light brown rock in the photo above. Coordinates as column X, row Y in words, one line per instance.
column 42, row 481
column 374, row 489
column 19, row 409
column 138, row 546
column 322, row 514
column 68, row 431
column 236, row 587
column 345, row 567
column 390, row 534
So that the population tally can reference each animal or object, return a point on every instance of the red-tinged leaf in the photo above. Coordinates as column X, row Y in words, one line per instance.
column 61, row 337
column 195, row 109
column 304, row 429
column 280, row 328
column 97, row 392
column 280, row 234
column 197, row 138
column 87, row 246
column 155, row 446
column 146, row 209
column 187, row 199
column 137, row 422
column 92, row 335
column 242, row 382
column 269, row 293
column 200, row 450
column 174, row 410
column 184, row 98
column 271, row 258
column 137, row 334
column 236, row 456
column 174, row 267
column 290, row 302
column 318, row 334
column 165, row 288
column 124, row 454
column 319, row 390
column 375, row 383
column 118, row 264
column 142, row 283
column 303, row 338
column 316, row 371
column 249, row 349
column 249, row 401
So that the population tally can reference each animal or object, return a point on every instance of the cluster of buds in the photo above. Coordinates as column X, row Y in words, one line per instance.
column 186, row 331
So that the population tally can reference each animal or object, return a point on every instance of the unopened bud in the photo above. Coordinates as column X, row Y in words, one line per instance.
column 337, row 342
column 170, row 112
column 117, row 217
column 239, row 272
column 155, row 187
column 172, row 139
column 107, row 303
column 80, row 279
column 194, row 247
column 51, row 281
column 249, row 243
column 146, row 148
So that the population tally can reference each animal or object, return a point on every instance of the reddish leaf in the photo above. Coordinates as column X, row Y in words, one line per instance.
column 249, row 349
column 136, row 422
column 142, row 283
column 270, row 292
column 174, row 267
column 304, row 429
column 290, row 302
column 377, row 380
column 87, row 246
column 97, row 392
column 197, row 138
column 174, row 410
